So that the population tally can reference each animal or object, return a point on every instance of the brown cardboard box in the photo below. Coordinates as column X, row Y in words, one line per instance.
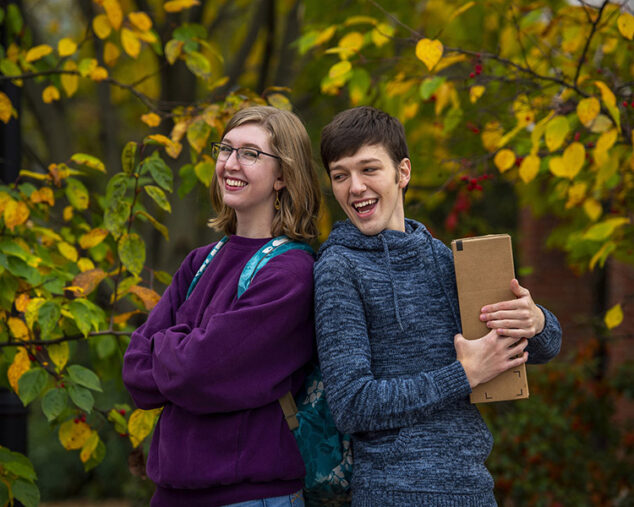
column 484, row 270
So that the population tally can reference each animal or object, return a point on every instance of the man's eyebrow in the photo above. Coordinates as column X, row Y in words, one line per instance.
column 358, row 162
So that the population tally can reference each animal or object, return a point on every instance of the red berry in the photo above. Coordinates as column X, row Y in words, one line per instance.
column 38, row 348
column 577, row 136
column 599, row 71
column 62, row 385
column 625, row 103
column 590, row 145
column 433, row 98
column 632, row 104
column 122, row 412
column 76, row 420
column 31, row 357
column 472, row 75
column 478, row 187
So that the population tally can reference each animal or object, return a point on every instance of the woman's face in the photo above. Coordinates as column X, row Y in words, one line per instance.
column 249, row 188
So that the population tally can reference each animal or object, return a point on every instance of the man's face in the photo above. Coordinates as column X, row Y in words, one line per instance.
column 369, row 187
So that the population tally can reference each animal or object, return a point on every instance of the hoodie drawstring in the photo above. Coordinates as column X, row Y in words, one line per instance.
column 386, row 251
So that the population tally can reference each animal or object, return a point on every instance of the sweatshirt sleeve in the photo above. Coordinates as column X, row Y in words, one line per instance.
column 244, row 357
column 137, row 360
column 358, row 401
column 545, row 345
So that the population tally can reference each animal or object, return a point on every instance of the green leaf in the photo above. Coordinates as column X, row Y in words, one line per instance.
column 26, row 492
column 160, row 171
column 452, row 119
column 429, row 86
column 31, row 383
column 9, row 68
column 93, row 316
column 603, row 230
column 14, row 19
column 81, row 316
column 81, row 397
column 157, row 225
column 188, row 180
column 117, row 187
column 96, row 457
column 159, row 197
column 198, row 64
column 4, row 494
column 116, row 216
column 48, row 317
column 54, row 402
column 128, row 157
column 204, row 171
column 132, row 252
column 77, row 194
column 88, row 161
column 106, row 346
column 17, row 463
column 198, row 133
column 84, row 377
column 8, row 288
column 163, row 277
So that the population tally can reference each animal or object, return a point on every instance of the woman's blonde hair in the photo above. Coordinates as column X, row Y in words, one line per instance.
column 301, row 197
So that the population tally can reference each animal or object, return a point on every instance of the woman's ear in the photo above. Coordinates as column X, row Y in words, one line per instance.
column 279, row 183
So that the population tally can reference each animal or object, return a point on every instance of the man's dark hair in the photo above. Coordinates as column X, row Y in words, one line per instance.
column 361, row 126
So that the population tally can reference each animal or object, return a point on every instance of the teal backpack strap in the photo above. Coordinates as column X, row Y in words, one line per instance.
column 273, row 248
column 204, row 265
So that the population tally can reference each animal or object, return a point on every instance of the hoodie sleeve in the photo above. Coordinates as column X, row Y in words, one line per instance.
column 243, row 357
column 545, row 345
column 358, row 401
column 137, row 360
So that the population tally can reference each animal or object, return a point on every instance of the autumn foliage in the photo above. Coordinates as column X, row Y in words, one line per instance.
column 536, row 98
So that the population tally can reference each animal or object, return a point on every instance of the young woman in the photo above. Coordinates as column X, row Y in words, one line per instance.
column 218, row 361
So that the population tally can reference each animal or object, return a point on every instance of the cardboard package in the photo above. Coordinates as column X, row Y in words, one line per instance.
column 484, row 270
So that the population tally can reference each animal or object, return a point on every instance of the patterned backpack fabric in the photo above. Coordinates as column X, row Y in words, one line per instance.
column 327, row 454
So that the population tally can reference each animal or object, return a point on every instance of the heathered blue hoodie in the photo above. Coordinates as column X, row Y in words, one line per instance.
column 386, row 313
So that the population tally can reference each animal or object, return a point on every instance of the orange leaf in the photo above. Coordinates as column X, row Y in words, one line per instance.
column 88, row 281
column 147, row 296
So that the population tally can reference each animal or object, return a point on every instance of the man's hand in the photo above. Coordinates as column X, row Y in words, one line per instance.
column 487, row 357
column 518, row 318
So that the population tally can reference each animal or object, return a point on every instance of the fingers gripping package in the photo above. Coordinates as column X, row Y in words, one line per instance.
column 484, row 270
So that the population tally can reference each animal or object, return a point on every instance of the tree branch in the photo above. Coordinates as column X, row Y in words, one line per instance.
column 28, row 343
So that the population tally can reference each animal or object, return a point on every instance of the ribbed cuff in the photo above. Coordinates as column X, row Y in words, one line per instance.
column 369, row 498
column 451, row 381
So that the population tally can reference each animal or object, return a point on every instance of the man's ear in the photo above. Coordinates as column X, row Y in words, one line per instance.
column 404, row 172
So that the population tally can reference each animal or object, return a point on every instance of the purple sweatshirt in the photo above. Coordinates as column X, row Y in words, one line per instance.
column 218, row 365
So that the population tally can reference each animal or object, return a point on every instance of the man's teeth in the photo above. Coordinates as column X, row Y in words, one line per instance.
column 235, row 183
column 364, row 203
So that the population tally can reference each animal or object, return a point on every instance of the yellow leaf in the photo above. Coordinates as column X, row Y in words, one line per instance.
column 59, row 354
column 93, row 238
column 603, row 230
column 614, row 316
column 32, row 309
column 130, row 43
column 448, row 61
column 111, row 54
column 113, row 12
column 68, row 251
column 557, row 167
column 50, row 94
column 279, row 101
column 593, row 209
column 556, row 131
column 475, row 92
column 67, row 214
column 99, row 74
column 6, row 108
column 70, row 82
column 20, row 365
column 66, row 47
column 625, row 24
column 147, row 296
column 602, row 255
column 325, row 35
column 504, row 160
column 73, row 435
column 352, row 41
column 173, row 50
column 87, row 281
column 141, row 423
column 18, row 328
column 147, row 36
column 140, row 20
column 606, row 141
column 37, row 52
column 89, row 446
column 86, row 66
column 339, row 69
column 151, row 119
column 85, row 264
column 179, row 5
column 101, row 26
column 380, row 35
column 429, row 52
column 124, row 317
column 15, row 213
column 445, row 94
column 21, row 301
column 529, row 168
column 587, row 110
column 606, row 94
column 44, row 194
column 461, row 10
column 491, row 135
column 574, row 158
column 576, row 193
column 601, row 124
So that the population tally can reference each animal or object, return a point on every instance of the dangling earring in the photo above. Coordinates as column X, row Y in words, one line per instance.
column 277, row 200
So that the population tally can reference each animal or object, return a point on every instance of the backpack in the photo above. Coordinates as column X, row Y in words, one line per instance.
column 327, row 453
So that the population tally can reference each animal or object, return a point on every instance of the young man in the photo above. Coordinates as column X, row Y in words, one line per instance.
column 396, row 369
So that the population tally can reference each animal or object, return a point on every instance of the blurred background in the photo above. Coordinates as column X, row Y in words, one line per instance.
column 519, row 117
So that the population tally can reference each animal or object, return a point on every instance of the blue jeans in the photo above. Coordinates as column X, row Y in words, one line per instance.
column 293, row 500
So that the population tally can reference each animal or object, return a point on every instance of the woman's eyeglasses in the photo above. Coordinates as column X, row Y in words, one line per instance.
column 246, row 155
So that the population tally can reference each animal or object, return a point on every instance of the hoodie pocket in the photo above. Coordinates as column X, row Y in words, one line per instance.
column 381, row 447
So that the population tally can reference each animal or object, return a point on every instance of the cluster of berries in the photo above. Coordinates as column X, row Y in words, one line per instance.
column 477, row 68
column 474, row 183
column 80, row 418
